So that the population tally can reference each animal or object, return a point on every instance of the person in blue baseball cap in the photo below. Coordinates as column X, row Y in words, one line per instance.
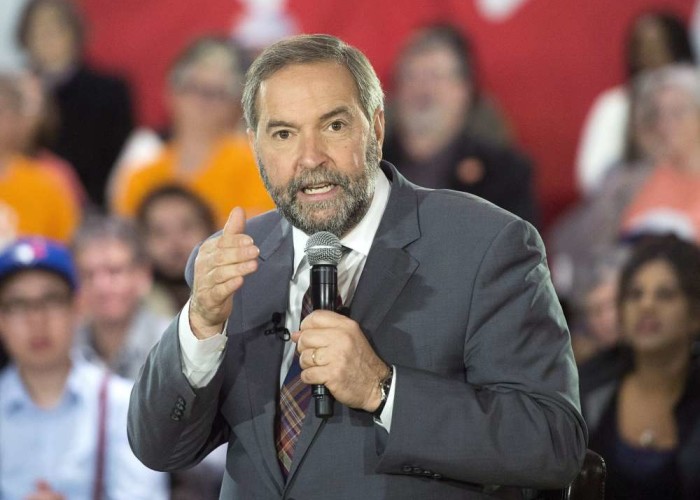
column 39, row 254
column 61, row 414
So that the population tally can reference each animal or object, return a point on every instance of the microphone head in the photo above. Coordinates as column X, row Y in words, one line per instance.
column 323, row 248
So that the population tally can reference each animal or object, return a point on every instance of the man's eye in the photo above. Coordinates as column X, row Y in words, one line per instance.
column 282, row 134
column 337, row 126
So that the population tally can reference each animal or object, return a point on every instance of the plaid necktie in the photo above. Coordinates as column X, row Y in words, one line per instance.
column 294, row 400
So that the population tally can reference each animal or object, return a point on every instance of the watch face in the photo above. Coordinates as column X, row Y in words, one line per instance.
column 386, row 383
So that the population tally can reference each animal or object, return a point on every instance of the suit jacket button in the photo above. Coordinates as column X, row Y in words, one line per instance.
column 417, row 470
column 437, row 476
column 407, row 469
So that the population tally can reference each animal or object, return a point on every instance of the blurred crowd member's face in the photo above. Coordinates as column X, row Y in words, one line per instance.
column 676, row 120
column 205, row 100
column 37, row 320
column 656, row 315
column 51, row 42
column 601, row 312
column 431, row 94
column 173, row 228
column 112, row 284
column 651, row 45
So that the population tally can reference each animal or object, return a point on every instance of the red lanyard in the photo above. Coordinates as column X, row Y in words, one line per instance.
column 101, row 438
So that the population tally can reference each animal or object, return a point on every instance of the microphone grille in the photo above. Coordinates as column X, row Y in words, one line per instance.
column 323, row 248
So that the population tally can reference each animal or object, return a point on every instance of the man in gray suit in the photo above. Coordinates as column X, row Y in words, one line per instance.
column 453, row 373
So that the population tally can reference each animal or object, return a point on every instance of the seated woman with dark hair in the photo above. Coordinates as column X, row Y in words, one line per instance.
column 641, row 400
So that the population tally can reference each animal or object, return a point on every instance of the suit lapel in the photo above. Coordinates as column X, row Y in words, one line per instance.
column 387, row 269
column 389, row 265
column 267, row 291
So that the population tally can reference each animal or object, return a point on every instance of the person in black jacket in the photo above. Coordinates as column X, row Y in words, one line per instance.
column 444, row 133
column 641, row 399
column 94, row 114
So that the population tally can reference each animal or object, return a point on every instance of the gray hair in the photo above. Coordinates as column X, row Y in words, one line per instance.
column 307, row 49
column 97, row 228
column 683, row 77
column 210, row 48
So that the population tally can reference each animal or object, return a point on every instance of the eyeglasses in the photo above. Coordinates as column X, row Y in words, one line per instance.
column 50, row 303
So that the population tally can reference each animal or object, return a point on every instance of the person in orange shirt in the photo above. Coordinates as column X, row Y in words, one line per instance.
column 34, row 200
column 207, row 154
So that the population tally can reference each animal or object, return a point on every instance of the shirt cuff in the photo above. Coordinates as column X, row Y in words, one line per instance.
column 200, row 358
column 384, row 419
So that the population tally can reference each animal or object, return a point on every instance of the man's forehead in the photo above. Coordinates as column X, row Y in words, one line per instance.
column 321, row 86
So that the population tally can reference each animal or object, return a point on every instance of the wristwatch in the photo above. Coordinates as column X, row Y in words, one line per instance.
column 384, row 388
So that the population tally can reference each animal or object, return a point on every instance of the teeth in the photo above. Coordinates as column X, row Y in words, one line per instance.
column 318, row 190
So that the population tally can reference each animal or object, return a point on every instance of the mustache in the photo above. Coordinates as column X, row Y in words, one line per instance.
column 316, row 176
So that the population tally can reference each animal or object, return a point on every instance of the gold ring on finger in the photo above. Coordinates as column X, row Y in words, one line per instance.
column 313, row 357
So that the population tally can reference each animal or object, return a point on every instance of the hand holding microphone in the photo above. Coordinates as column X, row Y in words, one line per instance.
column 334, row 353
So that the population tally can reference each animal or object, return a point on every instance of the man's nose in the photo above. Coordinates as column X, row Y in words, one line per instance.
column 312, row 151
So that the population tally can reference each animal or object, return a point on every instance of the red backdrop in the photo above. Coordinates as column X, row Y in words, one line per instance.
column 545, row 62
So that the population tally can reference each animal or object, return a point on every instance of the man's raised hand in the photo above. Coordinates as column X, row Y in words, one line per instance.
column 219, row 270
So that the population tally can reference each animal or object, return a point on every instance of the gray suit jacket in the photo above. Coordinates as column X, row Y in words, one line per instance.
column 457, row 295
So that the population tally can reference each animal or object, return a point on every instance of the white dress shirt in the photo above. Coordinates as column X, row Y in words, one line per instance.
column 201, row 358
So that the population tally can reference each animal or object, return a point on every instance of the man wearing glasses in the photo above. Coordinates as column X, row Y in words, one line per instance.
column 62, row 419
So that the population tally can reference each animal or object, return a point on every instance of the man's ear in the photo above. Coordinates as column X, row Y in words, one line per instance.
column 378, row 127
column 251, row 138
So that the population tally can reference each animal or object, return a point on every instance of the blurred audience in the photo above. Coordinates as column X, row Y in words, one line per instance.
column 669, row 199
column 208, row 153
column 63, row 433
column 595, row 327
column 34, row 199
column 39, row 124
column 656, row 193
column 641, row 400
column 173, row 221
column 118, row 327
column 428, row 137
column 93, row 109
column 654, row 40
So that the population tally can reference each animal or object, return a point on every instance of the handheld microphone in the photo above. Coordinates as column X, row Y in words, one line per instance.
column 323, row 251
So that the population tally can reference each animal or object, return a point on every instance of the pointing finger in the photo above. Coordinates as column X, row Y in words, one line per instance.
column 235, row 225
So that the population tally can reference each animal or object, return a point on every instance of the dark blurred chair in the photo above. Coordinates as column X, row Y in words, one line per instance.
column 588, row 485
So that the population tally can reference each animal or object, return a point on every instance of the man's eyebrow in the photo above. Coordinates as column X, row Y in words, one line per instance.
column 278, row 123
column 340, row 110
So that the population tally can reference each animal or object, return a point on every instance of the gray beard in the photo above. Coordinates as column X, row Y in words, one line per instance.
column 347, row 209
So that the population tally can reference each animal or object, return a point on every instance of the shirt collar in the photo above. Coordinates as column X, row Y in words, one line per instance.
column 360, row 238
column 16, row 397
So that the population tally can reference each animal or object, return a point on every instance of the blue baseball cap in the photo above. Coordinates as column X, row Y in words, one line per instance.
column 38, row 253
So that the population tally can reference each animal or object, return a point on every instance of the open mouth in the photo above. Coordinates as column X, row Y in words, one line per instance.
column 318, row 188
